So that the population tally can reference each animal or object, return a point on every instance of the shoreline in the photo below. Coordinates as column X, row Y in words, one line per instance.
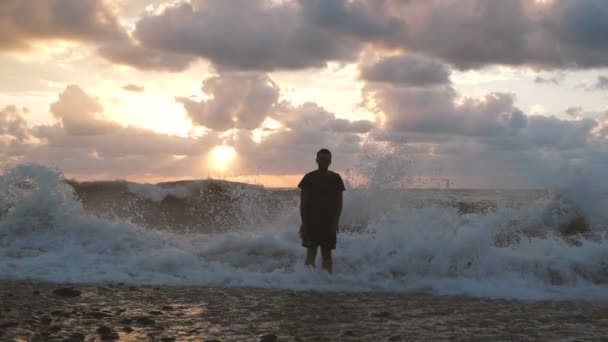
column 40, row 311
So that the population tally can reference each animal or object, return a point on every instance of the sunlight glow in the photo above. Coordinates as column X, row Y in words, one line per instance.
column 221, row 157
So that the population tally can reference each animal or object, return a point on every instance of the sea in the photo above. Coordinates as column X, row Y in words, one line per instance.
column 534, row 244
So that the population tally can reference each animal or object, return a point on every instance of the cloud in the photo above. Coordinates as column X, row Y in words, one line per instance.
column 343, row 125
column 130, row 53
column 483, row 141
column 265, row 35
column 407, row 70
column 23, row 22
column 133, row 87
column 238, row 100
column 256, row 34
column 574, row 111
column 80, row 113
column 548, row 80
column 86, row 145
column 602, row 83
column 12, row 123
column 307, row 128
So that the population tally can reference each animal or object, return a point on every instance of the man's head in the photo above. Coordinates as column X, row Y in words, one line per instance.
column 323, row 159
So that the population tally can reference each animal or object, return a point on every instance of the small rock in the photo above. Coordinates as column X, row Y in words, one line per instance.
column 56, row 313
column 75, row 337
column 97, row 314
column 107, row 333
column 127, row 329
column 144, row 320
column 66, row 292
column 126, row 321
column 167, row 339
column 395, row 338
column 104, row 330
column 8, row 324
column 54, row 328
column 36, row 292
column 167, row 308
column 381, row 314
column 155, row 312
column 268, row 338
column 45, row 320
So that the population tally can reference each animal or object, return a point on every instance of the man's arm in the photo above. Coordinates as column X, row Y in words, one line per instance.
column 338, row 210
column 304, row 208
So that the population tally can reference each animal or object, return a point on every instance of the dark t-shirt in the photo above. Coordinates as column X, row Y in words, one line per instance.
column 323, row 192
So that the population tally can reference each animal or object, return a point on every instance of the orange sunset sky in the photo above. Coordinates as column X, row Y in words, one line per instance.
column 477, row 93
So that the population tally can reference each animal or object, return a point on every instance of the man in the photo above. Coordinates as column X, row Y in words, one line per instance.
column 320, row 209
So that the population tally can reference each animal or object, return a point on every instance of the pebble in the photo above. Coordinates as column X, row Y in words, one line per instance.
column 144, row 320
column 107, row 333
column 54, row 328
column 127, row 329
column 97, row 314
column 75, row 337
column 126, row 321
column 268, row 338
column 66, row 292
column 8, row 324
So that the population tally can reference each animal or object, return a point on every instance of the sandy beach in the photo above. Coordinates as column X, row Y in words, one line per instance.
column 63, row 312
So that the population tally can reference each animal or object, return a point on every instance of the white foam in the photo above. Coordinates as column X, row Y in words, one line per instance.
column 46, row 236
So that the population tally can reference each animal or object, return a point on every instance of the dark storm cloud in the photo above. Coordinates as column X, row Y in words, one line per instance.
column 128, row 52
column 560, row 134
column 133, row 87
column 407, row 70
column 259, row 34
column 267, row 35
column 24, row 21
column 548, row 80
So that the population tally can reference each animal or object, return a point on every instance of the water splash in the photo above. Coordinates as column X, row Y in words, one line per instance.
column 47, row 235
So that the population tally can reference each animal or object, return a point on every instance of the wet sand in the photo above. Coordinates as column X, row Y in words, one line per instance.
column 49, row 312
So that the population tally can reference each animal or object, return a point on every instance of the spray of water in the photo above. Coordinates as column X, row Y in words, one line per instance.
column 46, row 234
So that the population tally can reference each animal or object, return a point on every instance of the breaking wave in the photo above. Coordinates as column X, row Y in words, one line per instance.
column 527, row 245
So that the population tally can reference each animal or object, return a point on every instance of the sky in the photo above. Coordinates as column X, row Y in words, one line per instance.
column 465, row 93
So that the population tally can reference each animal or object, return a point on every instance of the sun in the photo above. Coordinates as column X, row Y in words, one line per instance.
column 221, row 157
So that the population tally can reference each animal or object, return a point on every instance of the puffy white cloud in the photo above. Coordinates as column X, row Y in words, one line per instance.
column 238, row 100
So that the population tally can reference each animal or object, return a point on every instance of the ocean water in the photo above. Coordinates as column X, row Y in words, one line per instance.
column 520, row 244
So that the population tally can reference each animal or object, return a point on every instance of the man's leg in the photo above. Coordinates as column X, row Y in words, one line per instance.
column 311, row 255
column 326, row 256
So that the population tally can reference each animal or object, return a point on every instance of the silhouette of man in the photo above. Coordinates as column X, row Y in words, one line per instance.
column 320, row 209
